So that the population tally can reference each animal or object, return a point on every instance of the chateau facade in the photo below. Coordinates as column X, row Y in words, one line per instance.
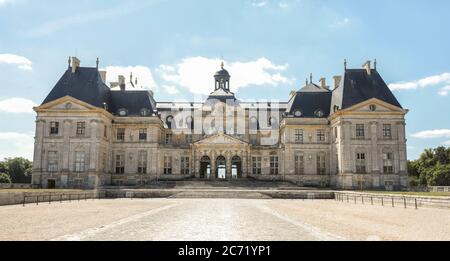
column 350, row 135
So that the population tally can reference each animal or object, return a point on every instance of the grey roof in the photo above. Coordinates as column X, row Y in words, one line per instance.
column 310, row 102
column 86, row 85
column 358, row 86
column 222, row 72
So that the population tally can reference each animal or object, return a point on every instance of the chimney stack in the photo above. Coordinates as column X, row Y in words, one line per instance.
column 337, row 81
column 103, row 75
column 75, row 63
column 122, row 82
column 323, row 83
column 366, row 66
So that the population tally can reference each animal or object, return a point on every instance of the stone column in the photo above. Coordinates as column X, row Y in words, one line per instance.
column 347, row 159
column 38, row 143
column 66, row 146
column 402, row 152
column 374, row 148
column 94, row 144
column 212, row 156
column 228, row 174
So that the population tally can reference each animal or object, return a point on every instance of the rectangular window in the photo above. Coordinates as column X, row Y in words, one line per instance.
column 388, row 166
column 387, row 131
column 121, row 134
column 79, row 161
column 142, row 134
column 168, row 140
column 360, row 131
column 142, row 162
column 320, row 135
column 105, row 131
column 274, row 165
column 256, row 164
column 167, row 165
column 335, row 133
column 321, row 169
column 54, row 128
column 299, row 165
column 81, row 128
column 189, row 138
column 360, row 163
column 185, row 166
column 298, row 136
column 120, row 164
column 253, row 140
column 53, row 161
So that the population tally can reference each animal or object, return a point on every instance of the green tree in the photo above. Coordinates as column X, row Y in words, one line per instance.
column 18, row 169
column 431, row 169
column 4, row 178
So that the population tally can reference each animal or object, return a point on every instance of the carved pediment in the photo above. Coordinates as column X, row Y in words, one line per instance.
column 221, row 139
column 66, row 103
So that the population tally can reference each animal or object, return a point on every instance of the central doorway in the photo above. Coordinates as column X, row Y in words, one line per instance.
column 221, row 172
column 205, row 167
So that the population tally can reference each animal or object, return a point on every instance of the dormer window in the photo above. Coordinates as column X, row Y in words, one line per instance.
column 145, row 112
column 122, row 112
column 319, row 113
column 169, row 121
column 298, row 113
column 373, row 107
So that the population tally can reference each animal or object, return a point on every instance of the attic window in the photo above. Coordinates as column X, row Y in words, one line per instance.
column 145, row 112
column 68, row 105
column 122, row 112
column 319, row 113
column 298, row 113
column 373, row 107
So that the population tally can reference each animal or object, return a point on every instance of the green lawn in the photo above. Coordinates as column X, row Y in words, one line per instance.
column 428, row 194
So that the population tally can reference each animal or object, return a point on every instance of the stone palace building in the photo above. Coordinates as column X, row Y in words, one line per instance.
column 348, row 135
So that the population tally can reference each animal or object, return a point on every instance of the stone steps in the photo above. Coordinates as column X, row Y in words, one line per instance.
column 221, row 194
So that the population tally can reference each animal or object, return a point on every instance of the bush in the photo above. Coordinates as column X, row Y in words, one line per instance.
column 4, row 178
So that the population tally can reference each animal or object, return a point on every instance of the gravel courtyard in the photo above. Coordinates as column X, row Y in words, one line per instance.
column 220, row 219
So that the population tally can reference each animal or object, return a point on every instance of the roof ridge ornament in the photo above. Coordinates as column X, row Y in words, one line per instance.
column 310, row 78
column 345, row 64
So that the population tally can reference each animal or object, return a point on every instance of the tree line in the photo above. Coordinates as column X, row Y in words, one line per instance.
column 15, row 170
column 431, row 169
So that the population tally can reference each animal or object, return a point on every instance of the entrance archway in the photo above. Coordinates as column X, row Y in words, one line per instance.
column 205, row 167
column 221, row 167
column 236, row 167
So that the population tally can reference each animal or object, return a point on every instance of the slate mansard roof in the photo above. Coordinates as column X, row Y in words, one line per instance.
column 87, row 85
column 356, row 86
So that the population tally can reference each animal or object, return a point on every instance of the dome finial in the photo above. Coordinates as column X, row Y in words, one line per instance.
column 310, row 77
column 222, row 65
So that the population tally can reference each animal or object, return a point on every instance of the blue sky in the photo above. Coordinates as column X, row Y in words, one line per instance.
column 269, row 47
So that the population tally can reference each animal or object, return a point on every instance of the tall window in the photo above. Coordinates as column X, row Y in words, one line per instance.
column 142, row 162
column 142, row 134
column 253, row 140
column 185, row 166
column 52, row 161
column 256, row 164
column 120, row 164
column 81, row 128
column 320, row 135
column 168, row 140
column 79, row 161
column 298, row 136
column 273, row 165
column 321, row 170
column 121, row 134
column 299, row 164
column 360, row 163
column 388, row 166
column 189, row 138
column 360, row 131
column 54, row 128
column 105, row 131
column 167, row 165
column 387, row 131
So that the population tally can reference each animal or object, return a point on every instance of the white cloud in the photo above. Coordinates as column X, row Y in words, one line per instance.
column 444, row 91
column 422, row 83
column 170, row 89
column 4, row 2
column 196, row 74
column 17, row 105
column 142, row 73
column 14, row 144
column 260, row 3
column 446, row 143
column 431, row 134
column 341, row 23
column 22, row 63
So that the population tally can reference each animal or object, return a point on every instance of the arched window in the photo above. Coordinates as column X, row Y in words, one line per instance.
column 253, row 125
column 190, row 122
column 319, row 113
column 169, row 122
